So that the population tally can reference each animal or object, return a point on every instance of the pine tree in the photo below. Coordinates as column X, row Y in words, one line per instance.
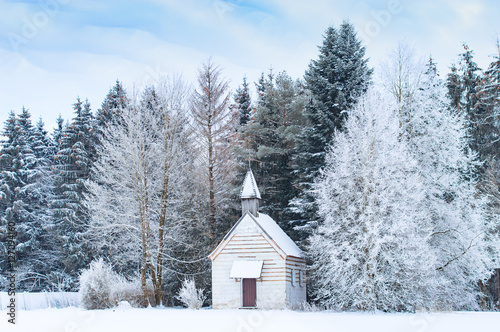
column 488, row 107
column 453, row 86
column 25, row 187
column 469, row 81
column 335, row 81
column 272, row 136
column 243, row 102
column 469, row 87
column 42, row 142
column 115, row 100
column 368, row 253
column 488, row 110
column 72, row 167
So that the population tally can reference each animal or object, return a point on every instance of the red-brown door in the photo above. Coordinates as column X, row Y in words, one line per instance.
column 249, row 292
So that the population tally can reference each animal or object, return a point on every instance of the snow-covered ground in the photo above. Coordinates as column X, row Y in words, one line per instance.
column 43, row 300
column 167, row 319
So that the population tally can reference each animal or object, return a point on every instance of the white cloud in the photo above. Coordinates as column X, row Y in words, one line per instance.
column 76, row 54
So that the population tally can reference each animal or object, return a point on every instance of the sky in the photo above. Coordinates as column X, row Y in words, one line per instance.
column 53, row 51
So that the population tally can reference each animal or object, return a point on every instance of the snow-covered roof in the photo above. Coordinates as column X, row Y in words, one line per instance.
column 246, row 269
column 278, row 235
column 249, row 189
column 270, row 228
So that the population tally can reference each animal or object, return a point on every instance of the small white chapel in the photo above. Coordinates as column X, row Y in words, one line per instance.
column 257, row 265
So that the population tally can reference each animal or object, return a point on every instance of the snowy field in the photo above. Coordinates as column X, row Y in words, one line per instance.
column 167, row 319
column 43, row 300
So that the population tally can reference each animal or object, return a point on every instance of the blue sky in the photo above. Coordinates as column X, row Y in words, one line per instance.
column 52, row 51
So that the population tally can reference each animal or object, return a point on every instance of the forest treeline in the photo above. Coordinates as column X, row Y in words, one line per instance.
column 388, row 183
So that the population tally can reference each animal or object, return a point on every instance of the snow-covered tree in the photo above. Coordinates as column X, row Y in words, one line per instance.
column 139, row 193
column 243, row 102
column 110, row 110
column 57, row 133
column 335, row 80
column 470, row 77
column 24, row 189
column 487, row 109
column 454, row 87
column 488, row 144
column 72, row 166
column 437, row 138
column 372, row 251
column 461, row 232
column 271, row 137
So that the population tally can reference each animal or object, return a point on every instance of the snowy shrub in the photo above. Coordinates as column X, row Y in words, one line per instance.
column 131, row 292
column 309, row 307
column 96, row 285
column 190, row 296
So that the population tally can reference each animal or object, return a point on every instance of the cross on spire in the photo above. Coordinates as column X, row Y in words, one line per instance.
column 250, row 159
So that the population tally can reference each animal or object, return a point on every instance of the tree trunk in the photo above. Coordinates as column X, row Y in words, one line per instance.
column 144, row 266
column 161, row 231
column 498, row 281
column 143, row 206
column 161, row 242
column 211, row 189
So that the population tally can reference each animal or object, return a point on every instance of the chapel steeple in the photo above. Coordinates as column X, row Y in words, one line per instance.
column 250, row 195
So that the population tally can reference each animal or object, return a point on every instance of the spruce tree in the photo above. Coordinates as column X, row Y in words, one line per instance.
column 454, row 87
column 57, row 134
column 470, row 77
column 271, row 137
column 243, row 102
column 115, row 100
column 469, row 86
column 72, row 167
column 488, row 110
column 24, row 189
column 335, row 81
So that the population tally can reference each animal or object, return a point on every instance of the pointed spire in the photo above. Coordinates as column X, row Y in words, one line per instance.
column 250, row 195
column 249, row 189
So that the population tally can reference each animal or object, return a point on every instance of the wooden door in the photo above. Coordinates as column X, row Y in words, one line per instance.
column 249, row 292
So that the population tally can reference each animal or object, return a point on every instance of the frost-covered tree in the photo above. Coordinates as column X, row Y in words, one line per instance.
column 487, row 109
column 463, row 83
column 72, row 166
column 57, row 134
column 470, row 77
column 488, row 113
column 461, row 234
column 372, row 251
column 110, row 110
column 453, row 86
column 24, row 190
column 437, row 138
column 139, row 195
column 335, row 80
